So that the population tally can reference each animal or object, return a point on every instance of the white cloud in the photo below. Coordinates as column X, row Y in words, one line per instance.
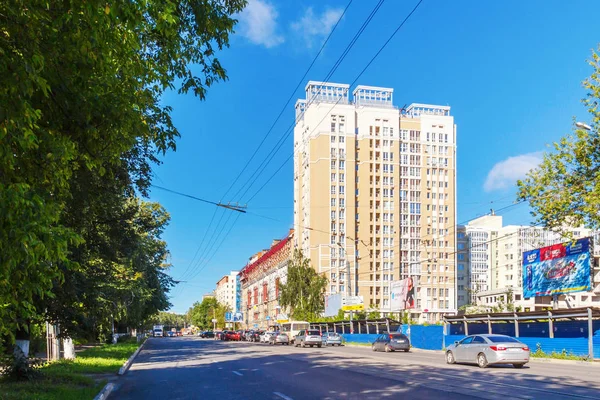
column 313, row 27
column 506, row 173
column 258, row 23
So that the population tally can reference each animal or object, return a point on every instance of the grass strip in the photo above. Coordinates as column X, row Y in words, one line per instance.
column 71, row 379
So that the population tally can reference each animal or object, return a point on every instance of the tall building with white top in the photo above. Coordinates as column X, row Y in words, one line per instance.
column 228, row 291
column 374, row 194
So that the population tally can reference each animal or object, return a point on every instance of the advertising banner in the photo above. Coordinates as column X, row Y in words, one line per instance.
column 333, row 304
column 353, row 303
column 402, row 295
column 557, row 269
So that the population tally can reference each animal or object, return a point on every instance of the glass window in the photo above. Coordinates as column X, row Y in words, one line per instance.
column 478, row 340
column 467, row 340
column 502, row 339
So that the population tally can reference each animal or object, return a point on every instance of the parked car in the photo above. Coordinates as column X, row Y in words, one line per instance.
column 170, row 334
column 206, row 334
column 266, row 336
column 391, row 342
column 253, row 336
column 308, row 337
column 332, row 338
column 279, row 338
column 487, row 350
column 233, row 336
column 222, row 335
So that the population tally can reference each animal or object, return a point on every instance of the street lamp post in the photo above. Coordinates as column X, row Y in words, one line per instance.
column 583, row 125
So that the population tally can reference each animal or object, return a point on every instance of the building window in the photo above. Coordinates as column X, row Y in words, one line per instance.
column 342, row 164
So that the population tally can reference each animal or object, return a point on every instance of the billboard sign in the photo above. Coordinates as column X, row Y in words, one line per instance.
column 234, row 317
column 353, row 303
column 333, row 304
column 557, row 269
column 402, row 294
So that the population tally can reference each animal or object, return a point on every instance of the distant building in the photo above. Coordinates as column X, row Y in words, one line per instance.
column 260, row 282
column 490, row 259
column 210, row 295
column 227, row 291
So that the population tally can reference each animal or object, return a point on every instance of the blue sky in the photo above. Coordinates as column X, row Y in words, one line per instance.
column 511, row 71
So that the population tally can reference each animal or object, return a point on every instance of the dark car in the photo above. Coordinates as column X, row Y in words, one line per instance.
column 207, row 334
column 254, row 336
column 391, row 342
column 222, row 335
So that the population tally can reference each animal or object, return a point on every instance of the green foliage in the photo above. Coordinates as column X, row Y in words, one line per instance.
column 563, row 355
column 564, row 190
column 202, row 314
column 17, row 367
column 374, row 314
column 81, row 103
column 67, row 379
column 304, row 291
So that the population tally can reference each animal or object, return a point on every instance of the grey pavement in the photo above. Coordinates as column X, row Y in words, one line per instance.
column 194, row 368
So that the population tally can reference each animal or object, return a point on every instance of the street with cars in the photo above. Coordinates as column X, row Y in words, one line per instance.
column 193, row 367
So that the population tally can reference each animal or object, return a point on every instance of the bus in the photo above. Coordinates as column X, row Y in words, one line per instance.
column 292, row 328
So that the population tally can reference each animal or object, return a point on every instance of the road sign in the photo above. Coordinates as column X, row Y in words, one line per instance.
column 214, row 320
column 268, row 318
column 353, row 303
column 228, row 317
column 281, row 318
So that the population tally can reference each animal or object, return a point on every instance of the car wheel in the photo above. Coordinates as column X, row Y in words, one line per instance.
column 387, row 348
column 319, row 346
column 482, row 360
column 450, row 358
column 518, row 365
column 302, row 345
column 373, row 347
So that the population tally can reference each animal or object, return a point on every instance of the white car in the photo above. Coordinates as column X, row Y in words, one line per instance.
column 266, row 337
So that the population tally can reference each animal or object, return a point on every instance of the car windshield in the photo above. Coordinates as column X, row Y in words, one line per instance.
column 502, row 339
column 313, row 332
column 399, row 336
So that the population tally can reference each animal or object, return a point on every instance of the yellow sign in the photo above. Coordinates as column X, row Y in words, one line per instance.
column 354, row 307
column 282, row 321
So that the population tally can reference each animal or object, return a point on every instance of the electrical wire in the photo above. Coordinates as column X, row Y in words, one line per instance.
column 337, row 102
column 288, row 100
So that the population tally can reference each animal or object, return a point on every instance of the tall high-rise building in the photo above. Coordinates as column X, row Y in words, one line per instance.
column 228, row 291
column 374, row 195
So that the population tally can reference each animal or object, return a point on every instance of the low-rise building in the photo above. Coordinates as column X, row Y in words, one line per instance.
column 260, row 281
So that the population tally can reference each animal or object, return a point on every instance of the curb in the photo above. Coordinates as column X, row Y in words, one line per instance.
column 106, row 391
column 128, row 363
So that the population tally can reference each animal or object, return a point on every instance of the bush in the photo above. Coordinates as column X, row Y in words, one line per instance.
column 18, row 367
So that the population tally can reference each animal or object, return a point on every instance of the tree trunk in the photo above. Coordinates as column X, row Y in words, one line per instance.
column 69, row 349
column 22, row 340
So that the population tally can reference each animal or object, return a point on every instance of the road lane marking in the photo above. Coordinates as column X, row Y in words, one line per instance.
column 237, row 373
column 283, row 396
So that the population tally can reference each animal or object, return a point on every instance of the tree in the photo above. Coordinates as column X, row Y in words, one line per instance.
column 202, row 314
column 564, row 190
column 81, row 94
column 374, row 314
column 304, row 291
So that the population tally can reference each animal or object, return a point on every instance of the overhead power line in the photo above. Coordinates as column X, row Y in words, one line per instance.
column 288, row 101
column 269, row 157
column 337, row 102
column 235, row 207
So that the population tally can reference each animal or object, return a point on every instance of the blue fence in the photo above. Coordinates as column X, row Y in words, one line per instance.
column 421, row 337
column 569, row 336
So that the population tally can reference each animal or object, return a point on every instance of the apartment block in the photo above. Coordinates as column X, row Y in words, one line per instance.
column 491, row 256
column 228, row 291
column 374, row 194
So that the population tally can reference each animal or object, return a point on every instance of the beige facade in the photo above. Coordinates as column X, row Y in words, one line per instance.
column 226, row 289
column 374, row 195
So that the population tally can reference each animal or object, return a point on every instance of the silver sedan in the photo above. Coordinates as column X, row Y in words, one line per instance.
column 279, row 338
column 487, row 350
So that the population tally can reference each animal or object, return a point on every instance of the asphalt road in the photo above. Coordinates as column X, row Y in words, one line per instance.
column 194, row 368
